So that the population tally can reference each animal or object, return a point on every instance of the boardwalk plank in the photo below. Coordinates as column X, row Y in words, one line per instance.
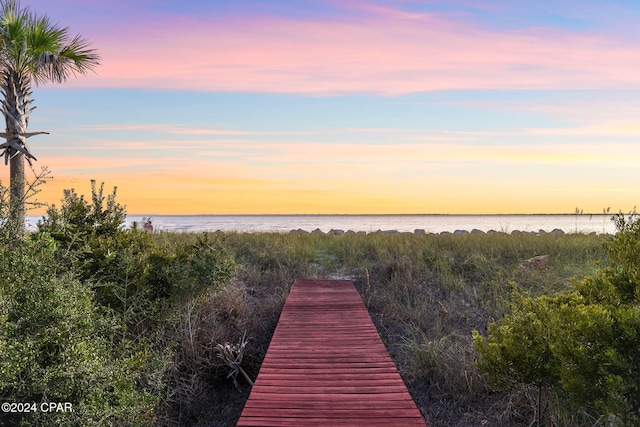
column 359, row 399
column 327, row 366
column 289, row 387
column 329, row 376
column 326, row 404
column 329, row 422
column 339, row 413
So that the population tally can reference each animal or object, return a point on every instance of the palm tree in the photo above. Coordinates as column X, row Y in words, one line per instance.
column 32, row 50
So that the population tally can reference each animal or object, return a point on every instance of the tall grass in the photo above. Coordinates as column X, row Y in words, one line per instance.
column 426, row 293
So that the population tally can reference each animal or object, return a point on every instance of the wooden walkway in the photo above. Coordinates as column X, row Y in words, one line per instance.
column 327, row 366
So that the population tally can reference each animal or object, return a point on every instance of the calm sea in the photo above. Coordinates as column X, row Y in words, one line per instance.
column 370, row 223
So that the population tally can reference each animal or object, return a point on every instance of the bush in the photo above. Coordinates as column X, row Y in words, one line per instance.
column 79, row 218
column 56, row 345
column 89, row 312
column 132, row 274
column 582, row 347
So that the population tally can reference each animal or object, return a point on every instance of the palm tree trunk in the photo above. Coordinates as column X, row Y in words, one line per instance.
column 17, row 199
column 16, row 109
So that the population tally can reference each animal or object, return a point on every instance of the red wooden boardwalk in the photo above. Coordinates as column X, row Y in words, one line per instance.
column 327, row 366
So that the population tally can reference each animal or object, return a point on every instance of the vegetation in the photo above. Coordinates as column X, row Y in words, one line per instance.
column 577, row 348
column 426, row 295
column 32, row 50
column 138, row 328
column 89, row 313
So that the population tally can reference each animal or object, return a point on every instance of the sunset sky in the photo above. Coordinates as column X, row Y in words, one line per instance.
column 340, row 106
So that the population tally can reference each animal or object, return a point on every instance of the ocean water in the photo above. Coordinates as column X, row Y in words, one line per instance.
column 371, row 223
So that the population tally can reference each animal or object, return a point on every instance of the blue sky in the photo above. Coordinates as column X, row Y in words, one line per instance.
column 349, row 107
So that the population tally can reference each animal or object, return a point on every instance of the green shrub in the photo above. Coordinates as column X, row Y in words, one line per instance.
column 131, row 272
column 56, row 345
column 85, row 230
column 77, row 217
column 135, row 284
column 199, row 266
column 582, row 346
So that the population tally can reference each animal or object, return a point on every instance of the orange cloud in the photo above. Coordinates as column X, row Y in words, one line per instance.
column 386, row 178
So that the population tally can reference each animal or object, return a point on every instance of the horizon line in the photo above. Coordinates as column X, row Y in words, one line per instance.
column 381, row 214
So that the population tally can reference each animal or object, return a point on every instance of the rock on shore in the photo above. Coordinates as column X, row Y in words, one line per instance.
column 422, row 232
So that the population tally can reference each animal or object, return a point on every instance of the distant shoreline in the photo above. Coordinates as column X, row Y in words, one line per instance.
column 369, row 223
column 372, row 215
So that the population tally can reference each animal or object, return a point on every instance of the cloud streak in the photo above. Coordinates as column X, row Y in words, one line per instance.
column 380, row 50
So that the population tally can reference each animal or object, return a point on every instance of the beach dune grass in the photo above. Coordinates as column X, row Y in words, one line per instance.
column 425, row 293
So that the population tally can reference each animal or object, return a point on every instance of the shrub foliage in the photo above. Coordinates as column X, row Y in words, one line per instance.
column 581, row 347
column 85, row 313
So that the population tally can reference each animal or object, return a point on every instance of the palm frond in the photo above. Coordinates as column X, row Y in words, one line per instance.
column 74, row 57
column 13, row 21
column 35, row 46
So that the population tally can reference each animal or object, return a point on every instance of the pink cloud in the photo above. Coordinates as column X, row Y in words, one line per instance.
column 383, row 51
